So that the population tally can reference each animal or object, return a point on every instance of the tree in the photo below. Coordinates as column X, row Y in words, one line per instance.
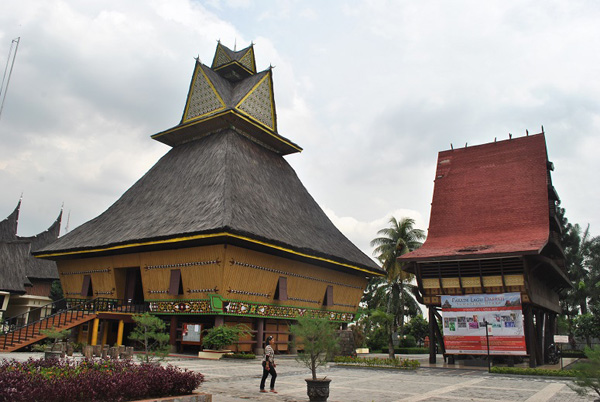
column 419, row 328
column 149, row 332
column 582, row 260
column 318, row 339
column 395, row 291
column 587, row 326
column 55, row 335
column 588, row 373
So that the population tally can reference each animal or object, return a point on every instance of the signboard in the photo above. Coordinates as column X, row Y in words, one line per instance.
column 191, row 333
column 465, row 318
column 561, row 338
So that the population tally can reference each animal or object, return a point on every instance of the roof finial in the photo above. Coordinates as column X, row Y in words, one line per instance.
column 509, row 136
column 466, row 144
column 451, row 146
column 494, row 139
column 527, row 132
column 542, row 129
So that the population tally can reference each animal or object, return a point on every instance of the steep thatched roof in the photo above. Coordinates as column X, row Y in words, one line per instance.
column 13, row 257
column 221, row 183
column 8, row 226
column 42, row 269
column 17, row 266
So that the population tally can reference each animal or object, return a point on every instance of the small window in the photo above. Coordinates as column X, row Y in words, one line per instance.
column 328, row 299
column 176, row 285
column 86, row 288
column 281, row 292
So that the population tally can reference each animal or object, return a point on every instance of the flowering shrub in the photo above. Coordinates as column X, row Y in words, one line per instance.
column 379, row 362
column 92, row 380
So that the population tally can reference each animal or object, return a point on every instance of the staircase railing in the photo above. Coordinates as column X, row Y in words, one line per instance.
column 63, row 311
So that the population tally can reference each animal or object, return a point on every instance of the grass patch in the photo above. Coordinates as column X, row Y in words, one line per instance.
column 245, row 356
column 533, row 371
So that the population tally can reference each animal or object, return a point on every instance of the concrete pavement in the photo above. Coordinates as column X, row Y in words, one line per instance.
column 238, row 380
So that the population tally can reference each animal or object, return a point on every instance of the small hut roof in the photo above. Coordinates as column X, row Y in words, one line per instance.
column 18, row 266
column 42, row 269
column 489, row 200
column 13, row 257
column 8, row 226
column 221, row 183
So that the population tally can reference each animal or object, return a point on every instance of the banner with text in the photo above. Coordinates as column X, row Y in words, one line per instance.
column 465, row 318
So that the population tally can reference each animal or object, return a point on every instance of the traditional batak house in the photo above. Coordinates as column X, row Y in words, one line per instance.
column 25, row 281
column 494, row 229
column 220, row 231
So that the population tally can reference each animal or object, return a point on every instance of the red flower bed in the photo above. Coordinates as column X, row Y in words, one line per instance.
column 92, row 380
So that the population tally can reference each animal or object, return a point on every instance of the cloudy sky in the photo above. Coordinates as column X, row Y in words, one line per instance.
column 372, row 90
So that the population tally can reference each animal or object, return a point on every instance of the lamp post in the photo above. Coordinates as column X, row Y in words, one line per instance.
column 487, row 339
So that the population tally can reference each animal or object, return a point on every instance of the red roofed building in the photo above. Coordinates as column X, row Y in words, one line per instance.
column 494, row 229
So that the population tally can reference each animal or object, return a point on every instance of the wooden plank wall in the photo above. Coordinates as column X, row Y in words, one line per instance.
column 252, row 272
column 259, row 278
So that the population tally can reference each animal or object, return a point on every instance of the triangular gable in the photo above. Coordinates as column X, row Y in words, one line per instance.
column 248, row 61
column 203, row 98
column 221, row 57
column 259, row 103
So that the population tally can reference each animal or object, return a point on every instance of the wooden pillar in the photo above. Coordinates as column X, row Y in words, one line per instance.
column 173, row 333
column 539, row 336
column 549, row 330
column 105, row 329
column 94, row 340
column 120, row 329
column 529, row 334
column 432, row 339
column 80, row 333
column 219, row 320
column 260, row 336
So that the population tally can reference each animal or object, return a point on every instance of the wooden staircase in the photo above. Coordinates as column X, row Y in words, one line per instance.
column 68, row 313
column 31, row 333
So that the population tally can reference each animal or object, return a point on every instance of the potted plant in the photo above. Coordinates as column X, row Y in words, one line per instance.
column 318, row 339
column 217, row 338
column 56, row 336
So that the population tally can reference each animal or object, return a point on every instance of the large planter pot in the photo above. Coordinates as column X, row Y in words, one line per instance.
column 213, row 354
column 317, row 390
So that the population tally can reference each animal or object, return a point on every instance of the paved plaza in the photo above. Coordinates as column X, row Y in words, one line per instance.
column 236, row 380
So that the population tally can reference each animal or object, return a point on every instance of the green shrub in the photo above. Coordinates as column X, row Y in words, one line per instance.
column 408, row 341
column 397, row 362
column 573, row 353
column 219, row 337
column 248, row 356
column 411, row 351
column 533, row 371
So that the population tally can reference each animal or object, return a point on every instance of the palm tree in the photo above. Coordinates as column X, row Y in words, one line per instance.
column 399, row 238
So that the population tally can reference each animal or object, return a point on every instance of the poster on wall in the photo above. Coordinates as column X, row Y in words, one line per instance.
column 465, row 318
column 191, row 333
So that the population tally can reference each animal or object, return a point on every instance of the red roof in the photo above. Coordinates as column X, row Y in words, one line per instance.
column 489, row 199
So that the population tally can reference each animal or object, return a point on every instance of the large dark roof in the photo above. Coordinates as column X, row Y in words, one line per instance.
column 17, row 265
column 221, row 183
